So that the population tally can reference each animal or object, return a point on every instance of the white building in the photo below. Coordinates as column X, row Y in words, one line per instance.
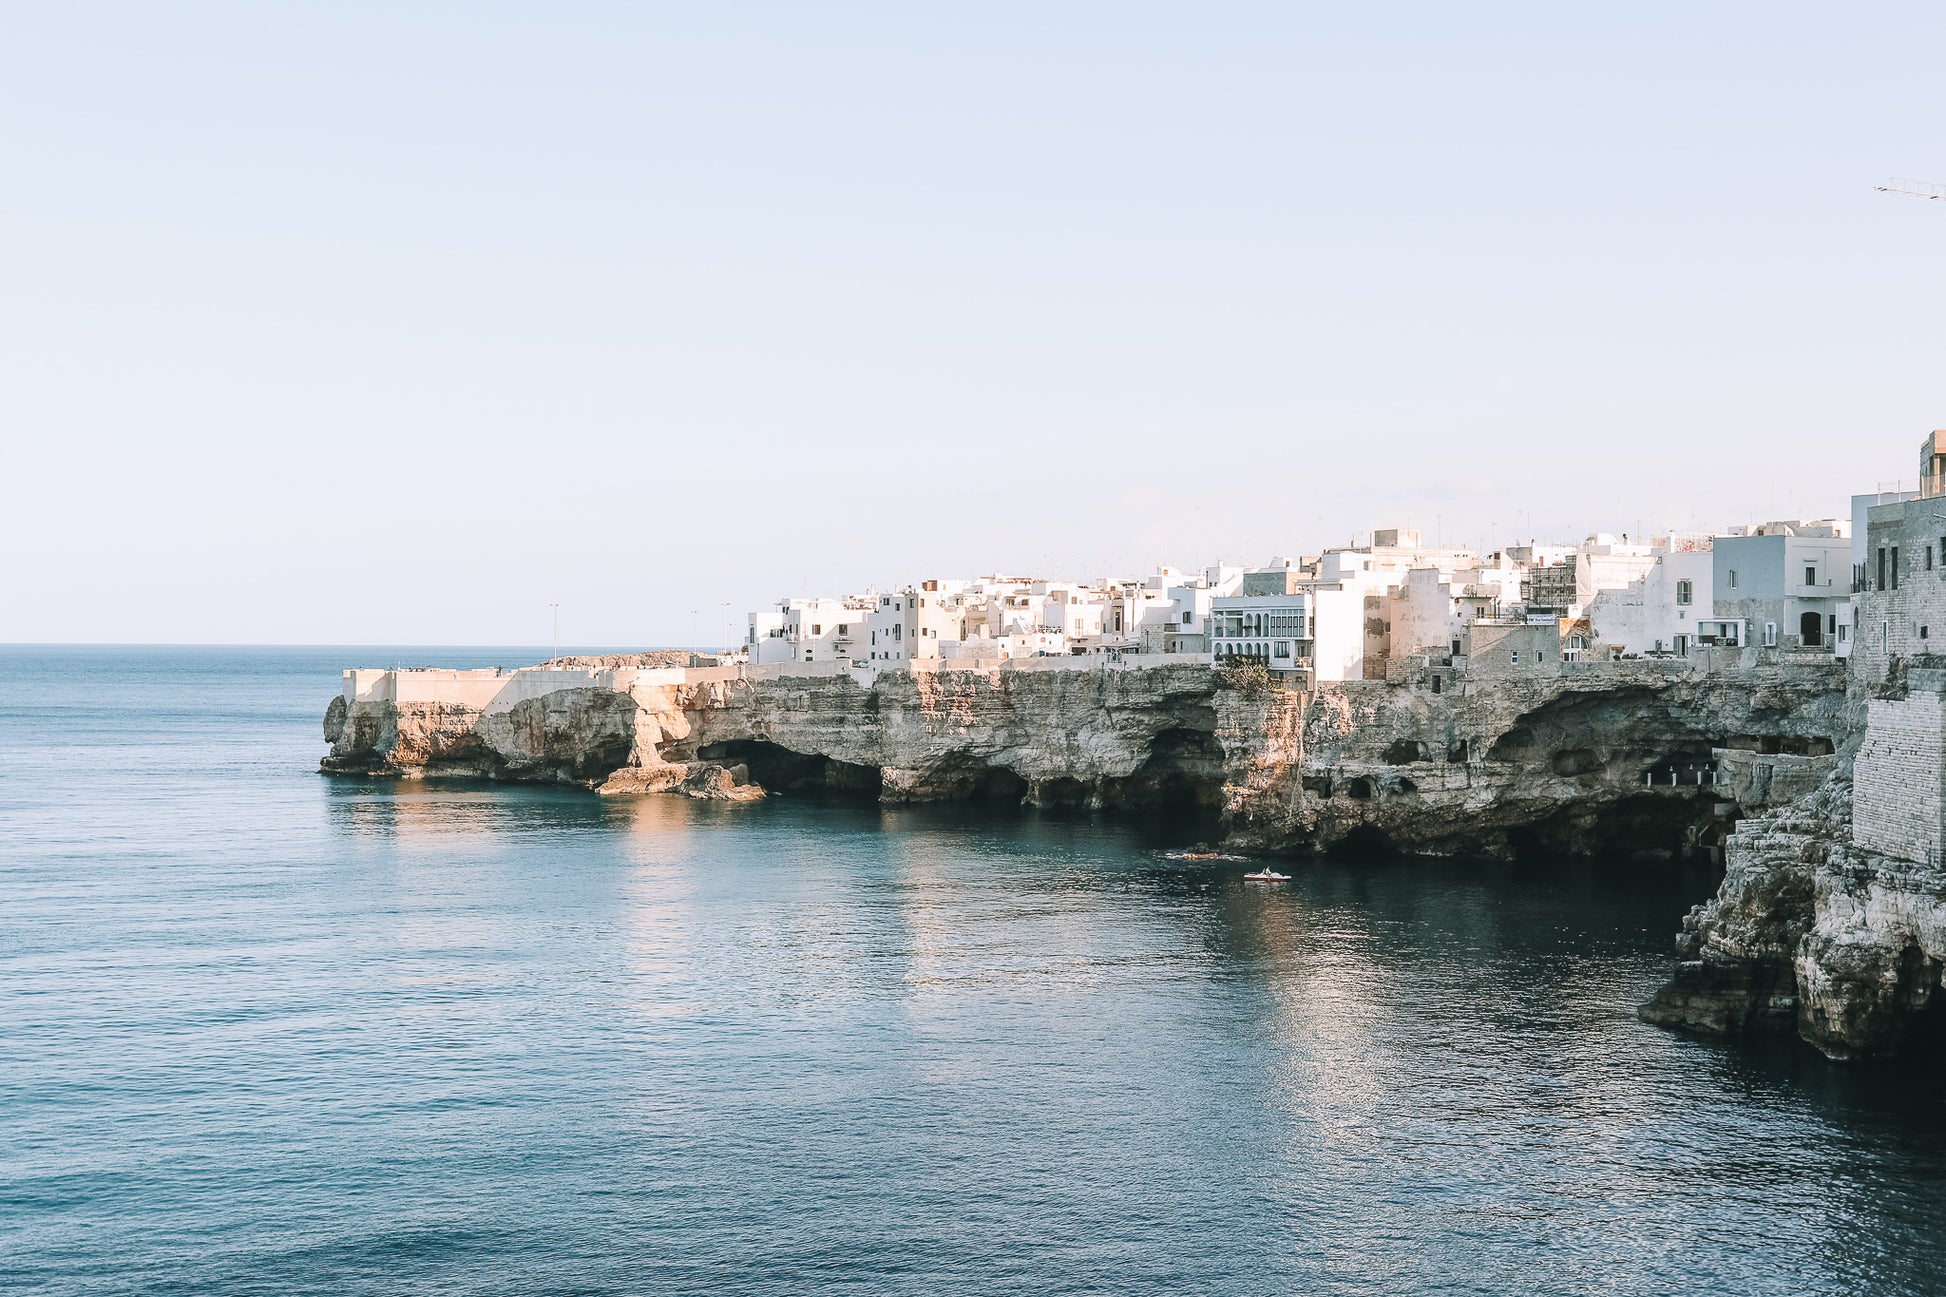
column 984, row 647
column 1274, row 629
column 1568, row 586
column 1669, row 610
column 1356, row 592
column 1073, row 610
column 911, row 624
column 807, row 630
column 1429, row 610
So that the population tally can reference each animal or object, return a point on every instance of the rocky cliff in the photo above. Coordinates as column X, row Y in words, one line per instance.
column 1810, row 931
column 1831, row 917
column 1615, row 756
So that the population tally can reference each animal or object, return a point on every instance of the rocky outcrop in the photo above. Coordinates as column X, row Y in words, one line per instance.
column 565, row 736
column 1736, row 952
column 1812, row 932
column 1831, row 917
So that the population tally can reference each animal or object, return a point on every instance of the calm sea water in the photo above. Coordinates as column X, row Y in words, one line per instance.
column 261, row 1032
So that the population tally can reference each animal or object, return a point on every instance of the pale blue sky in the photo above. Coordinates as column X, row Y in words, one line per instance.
column 393, row 323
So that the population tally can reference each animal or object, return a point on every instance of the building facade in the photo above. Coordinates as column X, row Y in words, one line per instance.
column 1273, row 629
column 1785, row 583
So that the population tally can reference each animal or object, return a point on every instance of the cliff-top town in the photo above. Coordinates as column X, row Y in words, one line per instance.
column 1348, row 613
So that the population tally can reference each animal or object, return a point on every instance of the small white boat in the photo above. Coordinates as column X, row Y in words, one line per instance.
column 1267, row 876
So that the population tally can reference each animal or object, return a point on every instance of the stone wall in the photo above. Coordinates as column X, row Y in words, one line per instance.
column 1898, row 772
column 1904, row 615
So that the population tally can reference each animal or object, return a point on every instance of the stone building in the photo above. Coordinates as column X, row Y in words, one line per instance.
column 1498, row 649
column 1901, row 605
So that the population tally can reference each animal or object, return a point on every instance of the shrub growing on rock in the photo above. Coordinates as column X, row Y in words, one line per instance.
column 1245, row 677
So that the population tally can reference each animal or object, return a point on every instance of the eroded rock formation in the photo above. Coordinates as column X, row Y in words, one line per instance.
column 1619, row 758
column 1810, row 931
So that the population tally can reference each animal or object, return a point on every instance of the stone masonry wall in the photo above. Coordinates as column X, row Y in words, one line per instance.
column 1897, row 776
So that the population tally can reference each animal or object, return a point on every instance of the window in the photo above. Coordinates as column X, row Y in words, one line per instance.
column 1881, row 567
column 1185, row 619
column 1513, row 659
column 1929, row 558
column 1770, row 634
column 1922, row 632
column 1895, row 567
column 1811, row 573
column 1538, row 657
column 816, row 629
column 1685, row 592
column 1733, row 578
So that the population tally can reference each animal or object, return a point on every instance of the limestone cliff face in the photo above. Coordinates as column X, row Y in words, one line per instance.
column 1096, row 738
column 1620, row 758
column 1623, row 757
column 567, row 736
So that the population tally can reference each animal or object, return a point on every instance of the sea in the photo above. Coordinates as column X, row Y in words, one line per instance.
column 264, row 1031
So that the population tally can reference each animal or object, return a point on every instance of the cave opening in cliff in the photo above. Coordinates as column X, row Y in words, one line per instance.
column 1918, row 1028
column 1061, row 793
column 980, row 784
column 1772, row 745
column 777, row 769
column 1181, row 776
column 1670, row 825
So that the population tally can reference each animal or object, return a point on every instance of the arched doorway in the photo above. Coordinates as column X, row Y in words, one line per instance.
column 1811, row 629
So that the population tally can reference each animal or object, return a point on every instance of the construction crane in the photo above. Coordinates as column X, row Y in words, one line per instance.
column 1913, row 189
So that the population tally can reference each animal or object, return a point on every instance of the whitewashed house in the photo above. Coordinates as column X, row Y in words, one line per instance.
column 806, row 630
column 912, row 624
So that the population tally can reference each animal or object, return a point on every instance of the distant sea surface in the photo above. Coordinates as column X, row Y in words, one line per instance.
column 265, row 1032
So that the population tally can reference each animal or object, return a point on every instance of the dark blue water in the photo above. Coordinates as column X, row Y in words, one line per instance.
column 261, row 1032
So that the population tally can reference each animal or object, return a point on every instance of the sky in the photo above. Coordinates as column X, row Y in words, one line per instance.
column 399, row 323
